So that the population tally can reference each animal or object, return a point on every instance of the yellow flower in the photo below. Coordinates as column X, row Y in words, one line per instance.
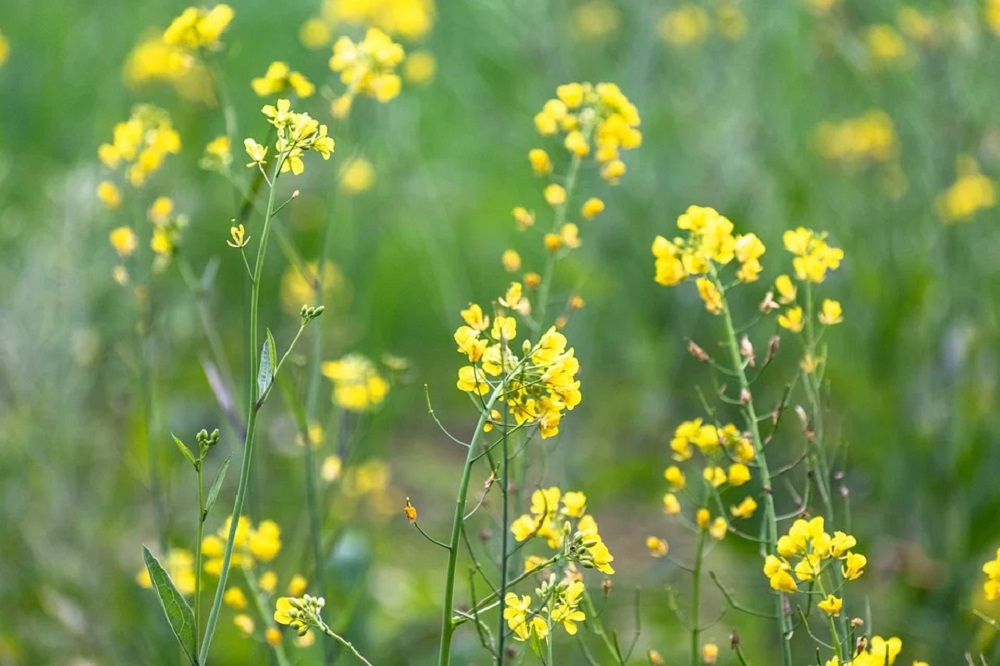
column 4, row 49
column 688, row 24
column 123, row 239
column 831, row 605
column 992, row 11
column 523, row 217
column 357, row 384
column 777, row 572
column 884, row 44
column 555, row 195
column 268, row 581
column 244, row 623
column 710, row 294
column 565, row 611
column 591, row 208
column 738, row 474
column 357, row 175
column 279, row 78
column 511, row 261
column 109, row 194
column 419, row 67
column 368, row 67
column 719, row 528
column 234, row 598
column 574, row 504
column 792, row 319
column 971, row 193
column 657, row 547
column 702, row 518
column 745, row 509
column 198, row 28
column 869, row 137
column 831, row 314
column 257, row 152
column 786, row 289
column 710, row 653
column 675, row 477
column 854, row 563
column 671, row 506
column 540, row 162
column 314, row 33
column 715, row 476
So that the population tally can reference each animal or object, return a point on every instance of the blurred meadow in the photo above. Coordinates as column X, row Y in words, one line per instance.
column 877, row 122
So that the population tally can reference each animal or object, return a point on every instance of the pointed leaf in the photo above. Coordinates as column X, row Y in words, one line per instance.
column 213, row 494
column 185, row 451
column 265, row 372
column 174, row 605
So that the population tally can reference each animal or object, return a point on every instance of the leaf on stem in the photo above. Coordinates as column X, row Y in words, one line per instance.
column 265, row 374
column 185, row 451
column 174, row 605
column 213, row 494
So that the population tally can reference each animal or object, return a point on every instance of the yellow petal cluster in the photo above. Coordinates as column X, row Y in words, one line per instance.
column 357, row 384
column 366, row 68
column 140, row 144
column 870, row 137
column 250, row 545
column 279, row 78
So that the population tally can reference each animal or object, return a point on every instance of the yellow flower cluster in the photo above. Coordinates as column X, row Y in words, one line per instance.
column 689, row 24
column 217, row 156
column 410, row 19
column 140, row 144
column 710, row 245
column 885, row 44
column 179, row 563
column 279, row 78
column 357, row 384
column 813, row 257
column 298, row 133
column 366, row 68
column 878, row 652
column 992, row 12
column 563, row 522
column 199, row 28
column 815, row 549
column 299, row 613
column 266, row 586
column 250, row 545
column 596, row 119
column 992, row 585
column 968, row 195
column 537, row 388
column 564, row 601
column 870, row 137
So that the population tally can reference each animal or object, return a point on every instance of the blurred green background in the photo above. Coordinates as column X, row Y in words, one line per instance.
column 731, row 94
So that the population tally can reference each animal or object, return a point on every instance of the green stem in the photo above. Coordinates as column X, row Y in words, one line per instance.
column 595, row 625
column 340, row 639
column 750, row 414
column 252, row 411
column 550, row 263
column 266, row 616
column 197, row 553
column 447, row 625
column 699, row 557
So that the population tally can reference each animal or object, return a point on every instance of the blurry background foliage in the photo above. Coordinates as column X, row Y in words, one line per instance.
column 743, row 107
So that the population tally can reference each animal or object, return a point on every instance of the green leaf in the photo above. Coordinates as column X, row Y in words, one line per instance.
column 213, row 494
column 174, row 605
column 265, row 374
column 185, row 451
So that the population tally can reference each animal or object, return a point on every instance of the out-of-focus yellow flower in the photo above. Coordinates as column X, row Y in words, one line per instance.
column 744, row 509
column 419, row 67
column 792, row 319
column 198, row 28
column 869, row 137
column 992, row 11
column 124, row 241
column 410, row 19
column 511, row 261
column 992, row 585
column 710, row 653
column 357, row 175
column 141, row 143
column 244, row 623
column 555, row 195
column 594, row 20
column 154, row 60
column 357, row 384
column 885, row 45
column 688, row 24
column 671, row 505
column 831, row 313
column 731, row 21
column 234, row 598
column 217, row 155
column 109, row 194
column 814, row 257
column 367, row 67
column 591, row 208
column 315, row 33
column 968, row 195
column 331, row 469
column 540, row 162
column 279, row 78
column 4, row 49
column 523, row 217
column 657, row 547
column 710, row 294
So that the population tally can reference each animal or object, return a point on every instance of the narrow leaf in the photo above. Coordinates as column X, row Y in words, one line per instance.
column 174, row 605
column 185, row 451
column 213, row 494
column 265, row 373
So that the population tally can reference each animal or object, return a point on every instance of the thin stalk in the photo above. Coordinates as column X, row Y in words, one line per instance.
column 750, row 413
column 447, row 625
column 598, row 627
column 148, row 408
column 266, row 616
column 699, row 557
column 197, row 553
column 252, row 411
column 558, row 220
column 340, row 639
column 504, row 530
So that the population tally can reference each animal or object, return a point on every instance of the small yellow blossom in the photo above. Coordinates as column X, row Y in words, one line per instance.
column 268, row 581
column 244, row 623
column 257, row 152
column 591, row 208
column 234, row 598
column 869, row 137
column 786, row 289
column 198, row 28
column 239, row 237
column 885, row 45
column 688, row 24
column 279, row 79
column 523, row 217
column 419, row 67
column 217, row 155
column 709, row 294
column 744, row 509
column 357, row 384
column 971, row 193
column 357, row 175
column 671, row 505
column 315, row 33
column 511, row 261
column 123, row 239
column 709, row 653
column 657, row 547
column 109, row 194
column 738, row 474
column 675, row 477
column 792, row 319
column 831, row 313
column 368, row 67
column 555, row 195
column 540, row 162
column 179, row 564
column 719, row 528
column 831, row 605
column 332, row 467
column 4, row 49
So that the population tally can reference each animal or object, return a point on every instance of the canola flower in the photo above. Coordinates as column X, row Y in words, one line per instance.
column 154, row 60
column 992, row 585
column 562, row 522
column 297, row 134
column 357, row 384
column 971, row 193
column 870, row 137
column 279, row 78
column 806, row 552
column 366, row 68
column 687, row 24
column 140, row 144
column 250, row 545
column 4, row 49
column 199, row 28
column 410, row 19
column 537, row 388
column 885, row 44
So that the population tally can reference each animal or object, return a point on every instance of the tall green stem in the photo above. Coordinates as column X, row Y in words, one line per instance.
column 750, row 413
column 447, row 626
column 253, row 409
column 197, row 552
column 557, row 222
column 699, row 557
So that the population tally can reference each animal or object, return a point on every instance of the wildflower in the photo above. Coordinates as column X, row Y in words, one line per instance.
column 249, row 545
column 884, row 44
column 710, row 653
column 971, row 193
column 217, row 155
column 715, row 476
column 854, row 563
column 244, row 623
column 688, row 24
column 257, row 153
column 109, row 194
column 141, row 143
column 675, row 477
column 238, row 234
column 540, row 162
column 870, row 137
column 738, row 474
column 124, row 241
column 744, row 509
column 234, row 598
column 555, row 195
column 657, row 547
column 574, row 504
column 179, row 564
column 523, row 217
column 511, row 261
column 315, row 33
column 591, row 208
column 197, row 28
column 331, row 469
column 273, row 636
column 367, row 67
column 297, row 133
column 786, row 289
column 268, row 581
column 299, row 613
column 831, row 313
column 718, row 528
column 792, row 319
column 357, row 175
column 565, row 611
column 777, row 572
column 265, row 541
column 516, row 612
column 357, row 384
column 410, row 511
column 710, row 294
column 992, row 11
column 671, row 506
column 419, row 67
column 831, row 605
column 279, row 78
column 297, row 585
